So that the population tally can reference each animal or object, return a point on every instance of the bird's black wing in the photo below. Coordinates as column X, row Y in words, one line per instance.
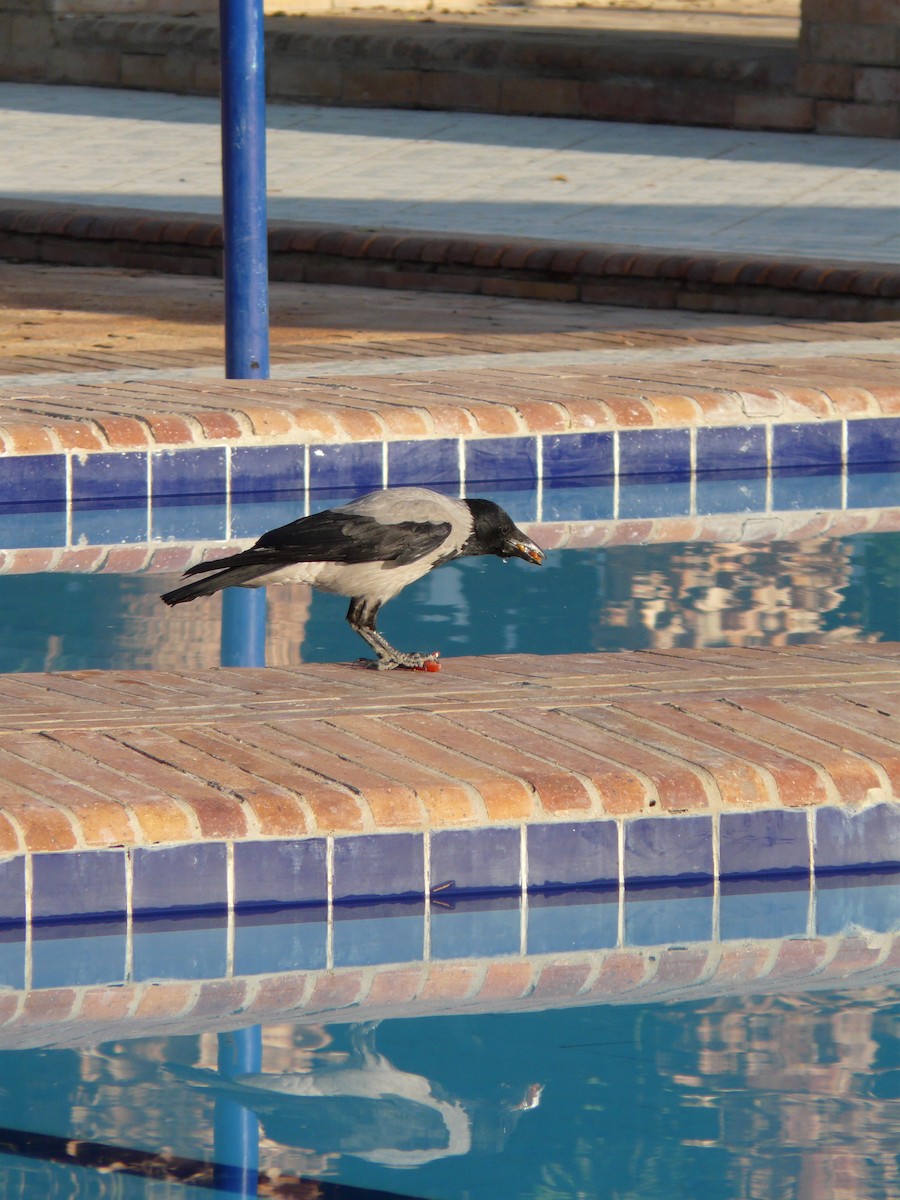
column 342, row 537
column 338, row 537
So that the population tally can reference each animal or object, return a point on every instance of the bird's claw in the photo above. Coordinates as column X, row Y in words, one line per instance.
column 410, row 662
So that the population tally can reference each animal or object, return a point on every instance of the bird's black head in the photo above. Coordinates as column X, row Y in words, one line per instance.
column 493, row 532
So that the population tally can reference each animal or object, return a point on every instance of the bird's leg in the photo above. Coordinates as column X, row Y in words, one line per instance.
column 361, row 618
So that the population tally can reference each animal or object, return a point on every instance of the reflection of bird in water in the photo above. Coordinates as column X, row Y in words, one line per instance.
column 365, row 1107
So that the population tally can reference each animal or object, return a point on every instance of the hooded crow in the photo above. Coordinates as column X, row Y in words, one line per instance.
column 369, row 550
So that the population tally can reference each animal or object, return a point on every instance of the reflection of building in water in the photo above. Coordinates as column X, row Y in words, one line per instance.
column 723, row 594
column 187, row 638
column 823, row 1125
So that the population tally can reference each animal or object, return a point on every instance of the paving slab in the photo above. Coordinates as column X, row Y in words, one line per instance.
column 101, row 759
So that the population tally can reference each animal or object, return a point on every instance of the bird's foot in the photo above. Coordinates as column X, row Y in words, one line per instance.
column 411, row 662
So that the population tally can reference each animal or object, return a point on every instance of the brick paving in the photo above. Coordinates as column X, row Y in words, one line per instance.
column 95, row 759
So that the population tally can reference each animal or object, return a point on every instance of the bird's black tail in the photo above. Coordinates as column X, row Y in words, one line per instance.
column 230, row 577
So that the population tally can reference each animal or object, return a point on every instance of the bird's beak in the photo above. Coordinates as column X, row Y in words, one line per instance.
column 525, row 548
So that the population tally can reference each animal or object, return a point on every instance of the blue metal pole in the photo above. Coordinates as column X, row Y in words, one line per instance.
column 236, row 1129
column 246, row 264
column 244, row 189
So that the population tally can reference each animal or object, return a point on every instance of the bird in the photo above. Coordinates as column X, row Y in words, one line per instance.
column 369, row 550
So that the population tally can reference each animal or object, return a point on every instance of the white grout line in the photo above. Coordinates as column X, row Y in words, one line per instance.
column 129, row 915
column 68, row 461
column 620, row 850
column 845, row 452
column 617, row 478
column 149, row 495
column 692, row 442
column 229, row 899
column 228, row 529
column 523, row 890
column 461, row 456
column 717, row 867
column 539, row 472
column 770, row 444
column 329, row 884
column 426, row 914
column 29, row 913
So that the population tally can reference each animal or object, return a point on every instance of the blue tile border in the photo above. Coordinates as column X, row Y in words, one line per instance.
column 179, row 877
column 624, row 474
column 675, row 848
column 78, row 883
column 763, row 842
column 379, row 866
column 455, row 866
column 358, row 900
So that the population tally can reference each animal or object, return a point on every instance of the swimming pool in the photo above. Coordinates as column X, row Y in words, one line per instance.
column 718, row 1039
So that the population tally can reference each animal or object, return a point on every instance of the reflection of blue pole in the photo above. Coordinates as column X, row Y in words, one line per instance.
column 236, row 1128
column 244, row 627
column 246, row 266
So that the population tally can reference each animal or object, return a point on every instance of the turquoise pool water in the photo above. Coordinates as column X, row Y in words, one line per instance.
column 733, row 1098
column 607, row 598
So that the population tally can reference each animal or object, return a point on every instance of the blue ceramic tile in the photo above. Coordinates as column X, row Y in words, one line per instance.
column 249, row 520
column 731, row 448
column 23, row 525
column 366, row 935
column 759, row 909
column 667, row 916
column 356, row 465
column 491, row 460
column 562, row 855
column 802, row 490
column 280, row 872
column 78, row 955
column 571, row 456
column 519, row 502
column 476, row 927
column 12, row 889
column 114, row 525
column 592, row 502
column 868, row 488
column 807, row 445
column 760, row 843
column 373, row 865
column 179, row 877
column 425, row 463
column 12, row 958
column 731, row 492
column 28, row 478
column 178, row 473
column 575, row 920
column 109, row 477
column 272, row 943
column 78, row 883
column 265, row 469
column 654, row 452
column 168, row 948
column 190, row 523
column 649, row 498
column 869, row 838
column 851, row 901
column 873, row 440
column 669, row 848
column 476, row 859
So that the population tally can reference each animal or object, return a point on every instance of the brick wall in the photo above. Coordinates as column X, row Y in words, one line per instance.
column 850, row 65
column 844, row 78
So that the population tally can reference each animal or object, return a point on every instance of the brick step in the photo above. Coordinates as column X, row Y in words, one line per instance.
column 519, row 267
column 616, row 74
